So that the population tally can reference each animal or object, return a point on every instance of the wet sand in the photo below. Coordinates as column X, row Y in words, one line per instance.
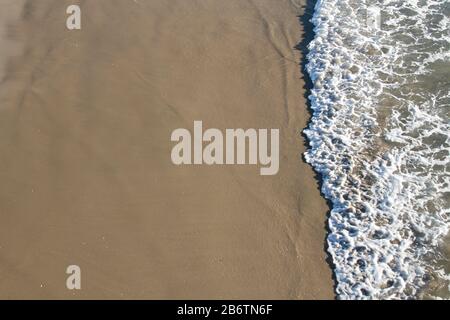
column 85, row 124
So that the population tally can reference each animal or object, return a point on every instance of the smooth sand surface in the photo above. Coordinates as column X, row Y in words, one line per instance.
column 86, row 175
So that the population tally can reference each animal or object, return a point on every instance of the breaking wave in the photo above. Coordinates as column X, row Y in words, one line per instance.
column 380, row 138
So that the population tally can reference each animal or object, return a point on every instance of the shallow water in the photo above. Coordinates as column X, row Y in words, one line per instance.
column 380, row 138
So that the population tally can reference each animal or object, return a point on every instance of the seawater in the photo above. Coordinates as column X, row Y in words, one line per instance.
column 380, row 139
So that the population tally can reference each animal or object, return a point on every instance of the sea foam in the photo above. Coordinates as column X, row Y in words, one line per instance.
column 380, row 139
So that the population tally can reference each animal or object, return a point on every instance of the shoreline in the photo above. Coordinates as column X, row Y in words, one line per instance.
column 381, row 191
column 308, row 36
column 86, row 147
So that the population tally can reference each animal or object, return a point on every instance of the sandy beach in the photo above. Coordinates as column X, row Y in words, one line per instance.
column 87, row 179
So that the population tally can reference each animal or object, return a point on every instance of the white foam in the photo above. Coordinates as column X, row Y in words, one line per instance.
column 381, row 144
